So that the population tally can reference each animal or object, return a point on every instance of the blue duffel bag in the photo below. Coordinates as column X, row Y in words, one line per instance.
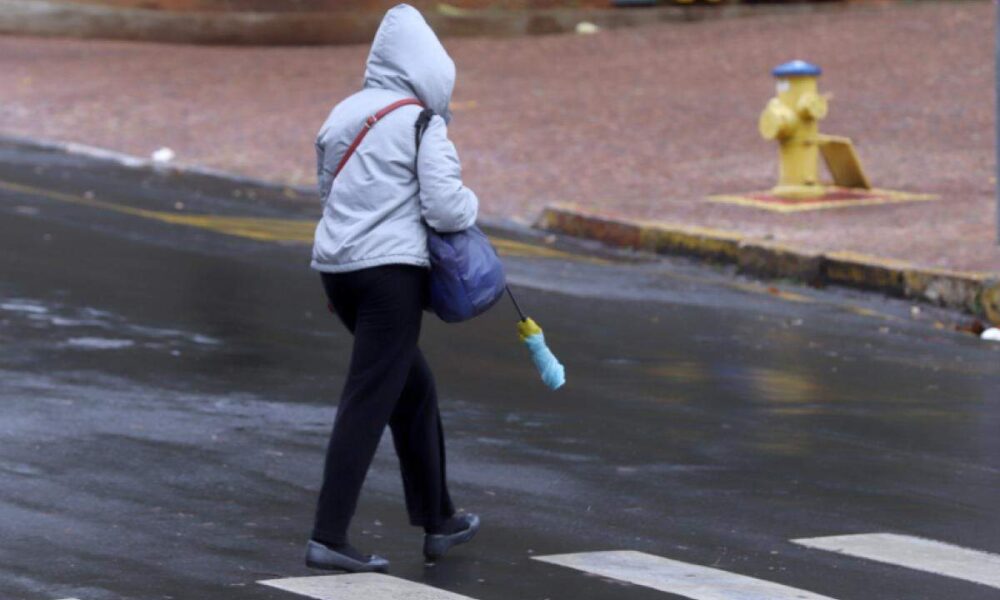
column 467, row 276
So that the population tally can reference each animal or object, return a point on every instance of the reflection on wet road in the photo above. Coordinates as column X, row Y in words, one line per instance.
column 170, row 374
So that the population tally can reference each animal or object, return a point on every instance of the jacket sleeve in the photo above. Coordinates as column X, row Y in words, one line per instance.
column 445, row 203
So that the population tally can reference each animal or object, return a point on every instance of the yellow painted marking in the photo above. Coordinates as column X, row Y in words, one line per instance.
column 794, row 297
column 879, row 197
column 867, row 312
column 685, row 371
column 256, row 228
column 301, row 231
column 513, row 248
column 761, row 289
column 270, row 229
column 856, row 258
column 264, row 230
column 449, row 10
column 783, row 386
column 464, row 105
column 669, row 228
column 772, row 291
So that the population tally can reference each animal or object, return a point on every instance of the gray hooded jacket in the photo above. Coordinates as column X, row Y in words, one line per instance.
column 375, row 212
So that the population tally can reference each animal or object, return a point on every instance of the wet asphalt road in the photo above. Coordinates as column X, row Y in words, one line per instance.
column 167, row 383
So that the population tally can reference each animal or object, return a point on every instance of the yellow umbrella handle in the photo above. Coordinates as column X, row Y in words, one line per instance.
column 527, row 328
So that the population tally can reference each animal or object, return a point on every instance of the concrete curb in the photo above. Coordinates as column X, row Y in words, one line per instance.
column 975, row 293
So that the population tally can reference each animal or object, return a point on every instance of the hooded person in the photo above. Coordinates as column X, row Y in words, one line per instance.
column 380, row 193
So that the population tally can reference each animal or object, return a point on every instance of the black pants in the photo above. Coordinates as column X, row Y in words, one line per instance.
column 389, row 383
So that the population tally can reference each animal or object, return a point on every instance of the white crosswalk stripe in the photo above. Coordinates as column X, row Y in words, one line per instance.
column 360, row 586
column 915, row 553
column 675, row 577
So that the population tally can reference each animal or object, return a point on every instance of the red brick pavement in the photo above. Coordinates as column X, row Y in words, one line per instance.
column 637, row 123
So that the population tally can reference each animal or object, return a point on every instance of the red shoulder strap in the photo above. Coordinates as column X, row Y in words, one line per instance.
column 369, row 123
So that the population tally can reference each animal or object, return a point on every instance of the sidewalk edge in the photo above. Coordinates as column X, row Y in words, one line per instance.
column 972, row 292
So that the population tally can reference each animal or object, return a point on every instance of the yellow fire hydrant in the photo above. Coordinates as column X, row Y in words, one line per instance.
column 792, row 118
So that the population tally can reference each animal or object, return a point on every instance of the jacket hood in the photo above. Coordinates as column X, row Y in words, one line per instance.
column 407, row 57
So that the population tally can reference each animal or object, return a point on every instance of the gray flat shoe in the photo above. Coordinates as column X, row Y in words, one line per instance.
column 435, row 545
column 319, row 556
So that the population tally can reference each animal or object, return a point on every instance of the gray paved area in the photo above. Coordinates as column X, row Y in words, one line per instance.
column 167, row 390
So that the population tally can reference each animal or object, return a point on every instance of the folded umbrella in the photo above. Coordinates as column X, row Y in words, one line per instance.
column 552, row 372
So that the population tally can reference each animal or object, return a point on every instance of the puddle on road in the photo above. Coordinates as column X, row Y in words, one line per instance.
column 20, row 306
column 23, row 469
column 94, row 325
column 92, row 343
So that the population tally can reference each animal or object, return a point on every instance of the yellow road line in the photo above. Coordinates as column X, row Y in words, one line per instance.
column 256, row 228
column 762, row 289
column 267, row 229
column 758, row 288
column 301, row 231
column 513, row 248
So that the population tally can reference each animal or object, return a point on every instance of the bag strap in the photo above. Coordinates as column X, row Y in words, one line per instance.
column 369, row 123
column 421, row 125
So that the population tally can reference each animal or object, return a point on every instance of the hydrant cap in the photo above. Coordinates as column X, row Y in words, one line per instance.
column 797, row 68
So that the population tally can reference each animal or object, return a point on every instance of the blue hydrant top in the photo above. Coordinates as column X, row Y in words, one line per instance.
column 796, row 68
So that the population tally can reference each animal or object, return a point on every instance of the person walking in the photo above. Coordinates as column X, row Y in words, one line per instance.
column 380, row 193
